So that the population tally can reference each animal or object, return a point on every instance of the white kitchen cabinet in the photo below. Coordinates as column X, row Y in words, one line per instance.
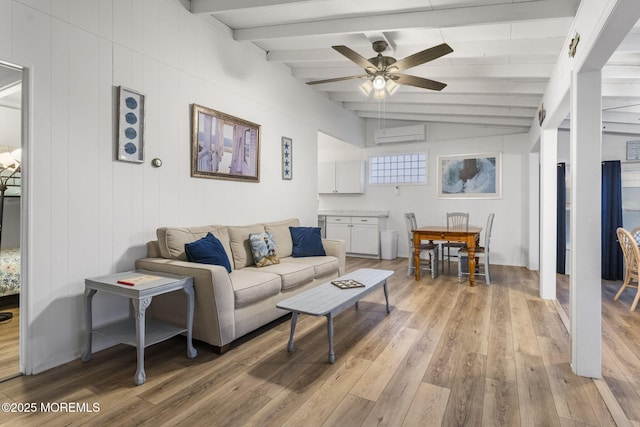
column 327, row 177
column 339, row 227
column 346, row 177
column 361, row 234
column 350, row 176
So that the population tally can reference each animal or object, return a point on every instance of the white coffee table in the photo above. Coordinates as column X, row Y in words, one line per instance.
column 137, row 332
column 329, row 300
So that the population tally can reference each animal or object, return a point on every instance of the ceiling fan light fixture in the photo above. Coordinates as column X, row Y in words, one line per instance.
column 366, row 87
column 379, row 82
column 392, row 87
column 379, row 94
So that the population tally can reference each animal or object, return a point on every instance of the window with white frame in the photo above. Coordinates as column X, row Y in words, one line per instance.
column 410, row 168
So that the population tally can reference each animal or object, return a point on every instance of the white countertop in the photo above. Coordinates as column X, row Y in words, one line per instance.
column 372, row 213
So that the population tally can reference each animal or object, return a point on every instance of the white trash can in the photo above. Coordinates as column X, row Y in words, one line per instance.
column 389, row 244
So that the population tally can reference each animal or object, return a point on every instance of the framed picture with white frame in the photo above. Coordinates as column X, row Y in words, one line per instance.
column 470, row 176
column 131, row 106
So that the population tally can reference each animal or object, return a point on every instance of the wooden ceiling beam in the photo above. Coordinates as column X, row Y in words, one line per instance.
column 526, row 101
column 464, row 110
column 459, row 86
column 200, row 7
column 475, row 49
column 522, row 124
column 527, row 71
column 440, row 18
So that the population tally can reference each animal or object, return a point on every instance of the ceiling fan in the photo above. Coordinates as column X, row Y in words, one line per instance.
column 383, row 72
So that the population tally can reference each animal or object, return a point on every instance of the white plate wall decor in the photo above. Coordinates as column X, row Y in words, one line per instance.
column 130, row 147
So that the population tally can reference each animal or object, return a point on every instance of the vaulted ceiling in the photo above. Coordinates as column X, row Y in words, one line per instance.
column 504, row 52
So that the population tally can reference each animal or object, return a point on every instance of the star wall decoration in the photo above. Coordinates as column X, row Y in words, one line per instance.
column 287, row 158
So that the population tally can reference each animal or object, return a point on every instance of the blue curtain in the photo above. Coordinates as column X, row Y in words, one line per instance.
column 612, row 258
column 561, row 223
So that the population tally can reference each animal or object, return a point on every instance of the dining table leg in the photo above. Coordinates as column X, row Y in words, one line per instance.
column 472, row 266
column 471, row 248
column 416, row 256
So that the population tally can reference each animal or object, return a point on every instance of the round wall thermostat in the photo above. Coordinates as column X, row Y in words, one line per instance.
column 156, row 162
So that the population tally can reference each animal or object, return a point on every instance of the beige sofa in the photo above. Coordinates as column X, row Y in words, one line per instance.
column 230, row 305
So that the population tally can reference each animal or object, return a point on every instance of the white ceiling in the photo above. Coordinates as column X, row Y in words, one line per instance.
column 503, row 54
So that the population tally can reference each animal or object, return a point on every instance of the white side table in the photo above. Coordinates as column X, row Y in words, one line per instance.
column 137, row 332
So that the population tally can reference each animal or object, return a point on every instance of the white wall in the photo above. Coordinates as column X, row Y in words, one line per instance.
column 9, row 126
column 90, row 215
column 509, row 240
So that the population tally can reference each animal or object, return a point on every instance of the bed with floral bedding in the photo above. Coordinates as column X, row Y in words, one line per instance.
column 9, row 271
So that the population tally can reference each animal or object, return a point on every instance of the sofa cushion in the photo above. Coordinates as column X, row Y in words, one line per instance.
column 291, row 274
column 251, row 285
column 239, row 241
column 171, row 240
column 281, row 235
column 263, row 249
column 208, row 250
column 307, row 241
column 322, row 265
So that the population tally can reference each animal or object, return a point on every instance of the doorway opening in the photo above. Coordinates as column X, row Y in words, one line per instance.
column 10, row 218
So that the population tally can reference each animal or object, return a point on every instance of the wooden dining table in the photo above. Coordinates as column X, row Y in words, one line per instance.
column 470, row 236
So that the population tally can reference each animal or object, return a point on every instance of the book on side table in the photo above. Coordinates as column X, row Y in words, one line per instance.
column 139, row 280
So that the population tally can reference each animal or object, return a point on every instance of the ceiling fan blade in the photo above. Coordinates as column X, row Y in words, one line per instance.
column 418, row 82
column 338, row 79
column 421, row 57
column 356, row 57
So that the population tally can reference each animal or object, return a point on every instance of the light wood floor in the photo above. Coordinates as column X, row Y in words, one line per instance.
column 620, row 347
column 447, row 354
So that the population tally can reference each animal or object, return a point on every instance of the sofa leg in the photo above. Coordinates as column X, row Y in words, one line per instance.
column 221, row 350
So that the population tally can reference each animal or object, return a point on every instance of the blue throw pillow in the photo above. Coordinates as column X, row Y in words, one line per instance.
column 307, row 241
column 208, row 250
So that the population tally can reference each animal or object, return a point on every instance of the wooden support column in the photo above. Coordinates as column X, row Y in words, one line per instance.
column 548, row 212
column 585, row 218
column 534, row 212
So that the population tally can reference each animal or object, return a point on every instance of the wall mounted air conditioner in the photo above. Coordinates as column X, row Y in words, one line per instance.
column 400, row 134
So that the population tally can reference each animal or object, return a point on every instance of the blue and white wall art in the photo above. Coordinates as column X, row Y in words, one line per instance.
column 130, row 147
column 476, row 176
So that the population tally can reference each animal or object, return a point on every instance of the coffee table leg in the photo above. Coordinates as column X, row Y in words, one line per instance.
column 191, row 351
column 294, row 320
column 386, row 296
column 332, row 355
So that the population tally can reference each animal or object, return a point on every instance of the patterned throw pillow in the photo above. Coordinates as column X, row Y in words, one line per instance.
column 264, row 249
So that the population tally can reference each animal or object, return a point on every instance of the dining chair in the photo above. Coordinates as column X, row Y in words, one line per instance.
column 481, row 253
column 631, row 254
column 428, row 250
column 455, row 221
column 636, row 235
